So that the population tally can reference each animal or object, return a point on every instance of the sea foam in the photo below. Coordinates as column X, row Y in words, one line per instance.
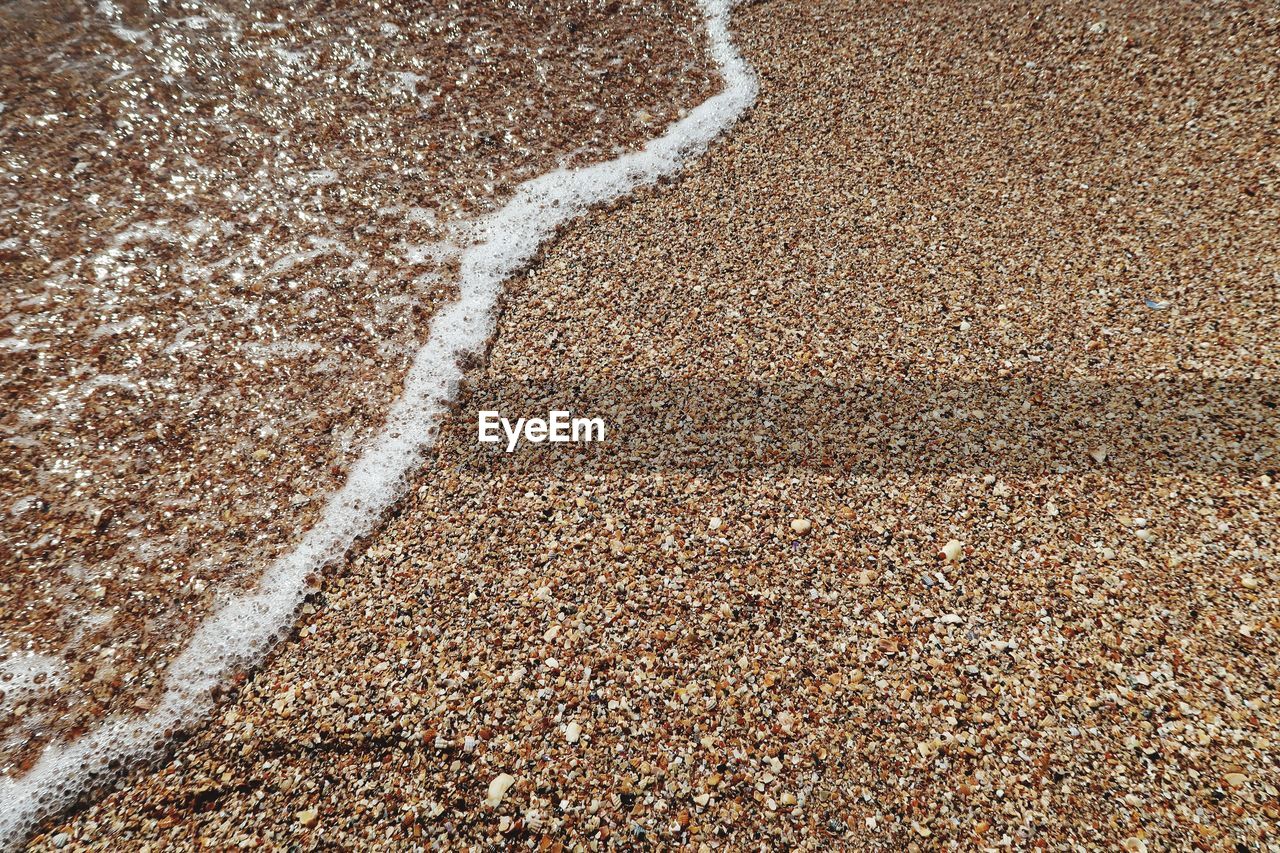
column 243, row 628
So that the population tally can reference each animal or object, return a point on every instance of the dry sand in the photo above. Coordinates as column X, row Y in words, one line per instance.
column 782, row 655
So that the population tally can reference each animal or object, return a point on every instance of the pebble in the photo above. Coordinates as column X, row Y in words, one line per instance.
column 497, row 789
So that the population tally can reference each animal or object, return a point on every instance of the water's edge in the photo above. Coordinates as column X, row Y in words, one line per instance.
column 244, row 628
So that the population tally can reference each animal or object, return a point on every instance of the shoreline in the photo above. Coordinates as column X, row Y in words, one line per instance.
column 193, row 361
column 236, row 636
column 882, row 659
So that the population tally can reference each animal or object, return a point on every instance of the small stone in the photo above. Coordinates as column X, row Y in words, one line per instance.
column 953, row 551
column 801, row 526
column 1099, row 454
column 702, row 799
column 1134, row 844
column 572, row 732
column 498, row 789
column 308, row 817
column 714, row 524
column 1235, row 780
column 1248, row 582
column 928, row 748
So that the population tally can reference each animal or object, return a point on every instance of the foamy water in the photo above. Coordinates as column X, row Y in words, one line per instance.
column 231, row 231
column 479, row 256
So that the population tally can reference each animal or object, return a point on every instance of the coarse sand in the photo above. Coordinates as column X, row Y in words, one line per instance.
column 1071, row 652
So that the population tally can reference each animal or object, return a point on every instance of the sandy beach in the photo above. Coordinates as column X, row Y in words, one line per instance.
column 226, row 237
column 671, row 642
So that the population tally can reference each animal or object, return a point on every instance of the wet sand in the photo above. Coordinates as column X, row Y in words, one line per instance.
column 225, row 235
column 1077, row 651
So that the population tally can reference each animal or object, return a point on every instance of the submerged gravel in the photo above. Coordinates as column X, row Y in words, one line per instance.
column 215, row 226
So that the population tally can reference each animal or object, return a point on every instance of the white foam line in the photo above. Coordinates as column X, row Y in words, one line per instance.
column 241, row 631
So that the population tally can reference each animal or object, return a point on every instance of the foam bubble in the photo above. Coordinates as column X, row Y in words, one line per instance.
column 24, row 675
column 241, row 630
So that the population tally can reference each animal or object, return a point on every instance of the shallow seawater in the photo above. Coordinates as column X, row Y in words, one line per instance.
column 224, row 228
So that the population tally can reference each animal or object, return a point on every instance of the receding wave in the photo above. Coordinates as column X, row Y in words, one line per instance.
column 448, row 265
